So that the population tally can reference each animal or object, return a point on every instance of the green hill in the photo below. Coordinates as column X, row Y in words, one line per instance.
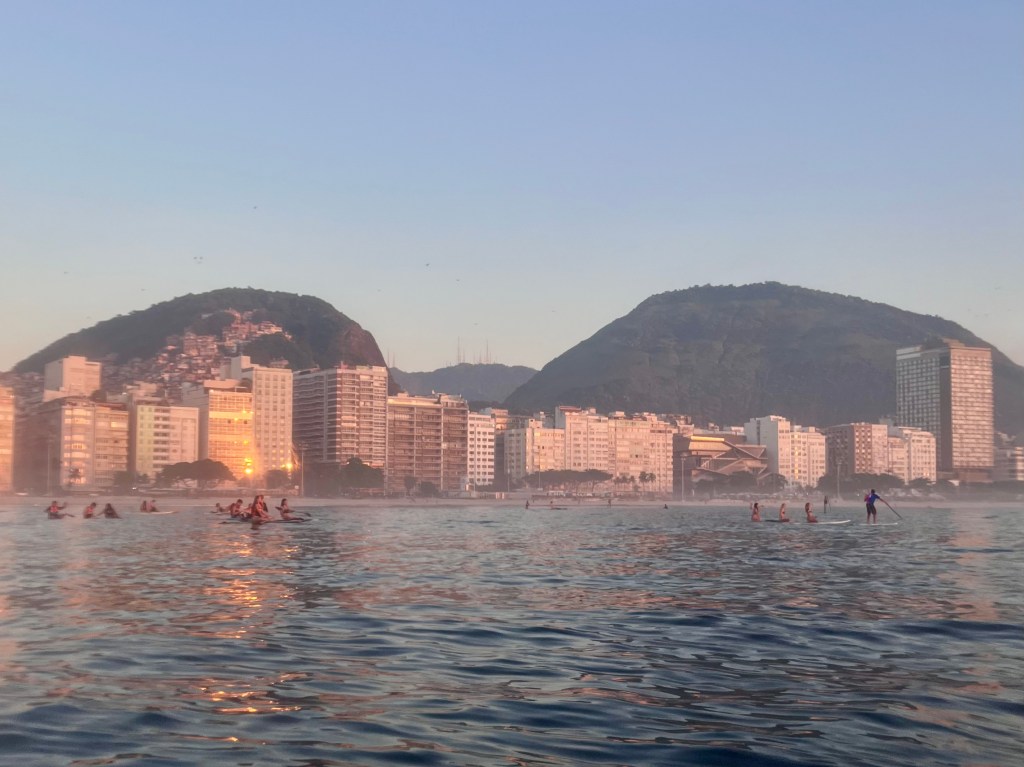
column 725, row 354
column 476, row 383
column 320, row 334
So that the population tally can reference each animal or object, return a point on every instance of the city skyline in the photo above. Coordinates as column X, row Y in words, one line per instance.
column 461, row 162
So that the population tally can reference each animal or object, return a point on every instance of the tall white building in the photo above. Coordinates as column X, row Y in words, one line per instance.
column 945, row 388
column 776, row 434
column 271, row 413
column 341, row 413
column 71, row 377
column 480, row 449
column 162, row 435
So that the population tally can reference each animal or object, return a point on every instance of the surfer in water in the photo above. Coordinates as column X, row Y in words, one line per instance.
column 88, row 511
column 782, row 513
column 809, row 513
column 755, row 512
column 869, row 502
column 110, row 512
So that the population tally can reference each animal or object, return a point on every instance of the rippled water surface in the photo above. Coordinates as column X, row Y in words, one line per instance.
column 495, row 636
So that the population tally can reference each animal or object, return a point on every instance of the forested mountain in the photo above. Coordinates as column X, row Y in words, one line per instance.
column 315, row 333
column 725, row 354
column 477, row 383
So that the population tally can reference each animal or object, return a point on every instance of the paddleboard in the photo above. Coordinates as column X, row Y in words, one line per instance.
column 833, row 522
column 882, row 524
column 778, row 520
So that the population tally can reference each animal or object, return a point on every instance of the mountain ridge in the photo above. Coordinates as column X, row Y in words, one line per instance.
column 727, row 353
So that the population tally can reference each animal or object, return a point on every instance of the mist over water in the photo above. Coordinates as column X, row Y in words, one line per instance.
column 484, row 636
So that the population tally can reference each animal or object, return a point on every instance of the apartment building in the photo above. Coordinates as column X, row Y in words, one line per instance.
column 945, row 388
column 271, row 413
column 341, row 413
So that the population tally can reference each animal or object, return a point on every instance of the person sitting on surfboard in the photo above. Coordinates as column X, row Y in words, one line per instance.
column 110, row 512
column 88, row 511
column 809, row 513
column 53, row 511
column 285, row 509
column 782, row 514
column 869, row 502
column 755, row 512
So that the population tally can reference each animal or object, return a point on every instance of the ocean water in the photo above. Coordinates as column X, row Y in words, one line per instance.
column 500, row 636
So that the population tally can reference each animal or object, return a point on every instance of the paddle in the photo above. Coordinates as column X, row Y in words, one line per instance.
column 890, row 506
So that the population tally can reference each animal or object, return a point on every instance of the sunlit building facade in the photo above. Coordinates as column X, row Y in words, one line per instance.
column 426, row 443
column 912, row 454
column 945, row 388
column 226, row 432
column 271, row 413
column 7, row 412
column 587, row 438
column 809, row 456
column 640, row 447
column 341, row 413
column 72, row 443
column 857, row 448
column 531, row 446
column 71, row 377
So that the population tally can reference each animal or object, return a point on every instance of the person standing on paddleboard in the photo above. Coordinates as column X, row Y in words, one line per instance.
column 869, row 502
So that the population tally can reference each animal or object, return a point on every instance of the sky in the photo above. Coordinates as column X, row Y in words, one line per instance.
column 506, row 178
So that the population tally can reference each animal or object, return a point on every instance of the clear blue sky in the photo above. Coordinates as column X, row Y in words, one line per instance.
column 554, row 163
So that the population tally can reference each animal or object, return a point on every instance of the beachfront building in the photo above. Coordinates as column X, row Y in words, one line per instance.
column 776, row 434
column 71, row 377
column 500, row 418
column 271, row 413
column 810, row 456
column 640, row 447
column 7, row 412
column 426, row 443
column 1009, row 460
column 225, row 424
column 532, row 445
column 857, row 448
column 587, row 438
column 480, row 450
column 161, row 435
column 74, row 443
column 912, row 454
column 945, row 388
column 703, row 462
column 341, row 413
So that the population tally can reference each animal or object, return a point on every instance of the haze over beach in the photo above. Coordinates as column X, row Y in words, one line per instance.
column 505, row 179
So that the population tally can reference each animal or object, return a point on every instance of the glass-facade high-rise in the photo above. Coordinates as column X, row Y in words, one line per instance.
column 946, row 388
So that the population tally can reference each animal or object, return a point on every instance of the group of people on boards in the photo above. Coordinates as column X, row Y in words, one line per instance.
column 56, row 511
column 755, row 512
column 257, row 512
column 869, row 500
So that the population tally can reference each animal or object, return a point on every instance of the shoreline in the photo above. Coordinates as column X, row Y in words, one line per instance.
column 131, row 502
